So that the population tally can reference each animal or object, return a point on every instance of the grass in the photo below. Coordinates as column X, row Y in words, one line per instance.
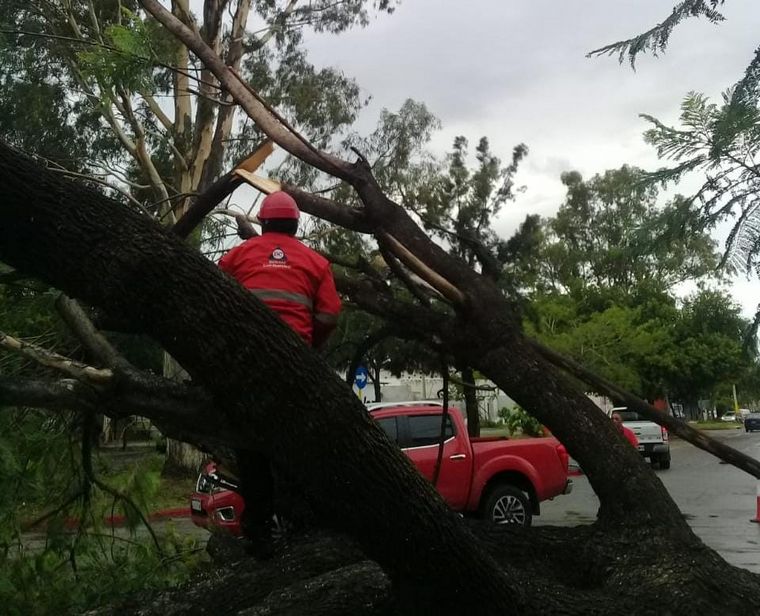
column 165, row 492
column 137, row 474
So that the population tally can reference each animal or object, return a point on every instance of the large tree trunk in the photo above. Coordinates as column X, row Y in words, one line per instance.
column 471, row 402
column 319, row 434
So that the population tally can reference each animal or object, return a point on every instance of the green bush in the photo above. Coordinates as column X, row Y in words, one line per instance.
column 504, row 413
column 519, row 420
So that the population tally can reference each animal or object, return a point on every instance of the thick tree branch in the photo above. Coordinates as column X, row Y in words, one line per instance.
column 435, row 280
column 245, row 355
column 422, row 293
column 60, row 395
column 411, row 321
column 326, row 209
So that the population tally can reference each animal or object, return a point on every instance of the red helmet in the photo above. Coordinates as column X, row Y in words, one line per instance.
column 279, row 205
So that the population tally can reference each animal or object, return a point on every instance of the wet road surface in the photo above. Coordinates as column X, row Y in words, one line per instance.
column 717, row 499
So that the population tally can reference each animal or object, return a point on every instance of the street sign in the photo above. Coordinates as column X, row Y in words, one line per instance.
column 360, row 377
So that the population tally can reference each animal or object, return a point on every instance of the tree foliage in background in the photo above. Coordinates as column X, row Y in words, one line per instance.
column 612, row 232
column 607, row 284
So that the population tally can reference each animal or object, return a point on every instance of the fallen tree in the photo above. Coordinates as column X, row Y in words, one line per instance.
column 115, row 258
column 639, row 557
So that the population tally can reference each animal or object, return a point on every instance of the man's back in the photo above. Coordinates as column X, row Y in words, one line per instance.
column 292, row 279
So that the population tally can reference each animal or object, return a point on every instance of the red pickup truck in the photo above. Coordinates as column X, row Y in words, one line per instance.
column 496, row 478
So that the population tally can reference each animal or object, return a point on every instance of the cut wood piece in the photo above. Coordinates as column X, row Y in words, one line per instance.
column 265, row 185
column 255, row 160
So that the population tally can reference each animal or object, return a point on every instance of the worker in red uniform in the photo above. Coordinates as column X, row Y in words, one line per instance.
column 297, row 283
column 286, row 275
column 626, row 432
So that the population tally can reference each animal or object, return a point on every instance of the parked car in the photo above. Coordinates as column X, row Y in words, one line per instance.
column 730, row 416
column 654, row 440
column 495, row 478
column 215, row 504
column 752, row 422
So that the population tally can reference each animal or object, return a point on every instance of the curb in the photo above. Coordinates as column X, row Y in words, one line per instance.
column 116, row 521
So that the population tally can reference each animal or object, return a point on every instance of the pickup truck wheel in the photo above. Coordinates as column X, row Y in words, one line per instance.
column 665, row 462
column 507, row 504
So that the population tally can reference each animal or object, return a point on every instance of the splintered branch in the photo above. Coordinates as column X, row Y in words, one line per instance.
column 69, row 366
column 422, row 293
column 434, row 279
column 221, row 189
column 348, row 217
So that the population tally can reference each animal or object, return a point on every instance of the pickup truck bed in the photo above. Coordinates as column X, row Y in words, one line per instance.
column 654, row 441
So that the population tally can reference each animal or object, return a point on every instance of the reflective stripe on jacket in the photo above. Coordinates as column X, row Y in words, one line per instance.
column 289, row 277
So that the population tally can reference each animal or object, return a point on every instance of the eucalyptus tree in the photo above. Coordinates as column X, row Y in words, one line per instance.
column 98, row 90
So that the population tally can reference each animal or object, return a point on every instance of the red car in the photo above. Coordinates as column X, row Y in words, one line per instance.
column 215, row 505
column 496, row 478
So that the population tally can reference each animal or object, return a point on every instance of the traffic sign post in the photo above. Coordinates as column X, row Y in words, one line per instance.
column 360, row 380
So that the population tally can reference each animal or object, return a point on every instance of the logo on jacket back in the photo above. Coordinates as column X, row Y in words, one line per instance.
column 278, row 255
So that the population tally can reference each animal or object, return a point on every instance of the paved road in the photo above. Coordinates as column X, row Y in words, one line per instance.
column 717, row 499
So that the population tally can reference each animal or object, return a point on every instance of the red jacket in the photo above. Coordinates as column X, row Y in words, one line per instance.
column 631, row 436
column 291, row 279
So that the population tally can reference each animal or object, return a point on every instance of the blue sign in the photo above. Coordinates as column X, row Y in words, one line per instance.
column 360, row 377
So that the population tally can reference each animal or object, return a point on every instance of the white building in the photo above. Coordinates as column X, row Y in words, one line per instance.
column 426, row 387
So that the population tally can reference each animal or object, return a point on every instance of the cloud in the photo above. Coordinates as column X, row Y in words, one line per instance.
column 516, row 72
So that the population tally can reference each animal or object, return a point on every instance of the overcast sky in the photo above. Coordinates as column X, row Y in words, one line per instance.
column 516, row 71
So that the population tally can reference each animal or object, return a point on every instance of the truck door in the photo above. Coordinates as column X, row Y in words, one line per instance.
column 421, row 445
